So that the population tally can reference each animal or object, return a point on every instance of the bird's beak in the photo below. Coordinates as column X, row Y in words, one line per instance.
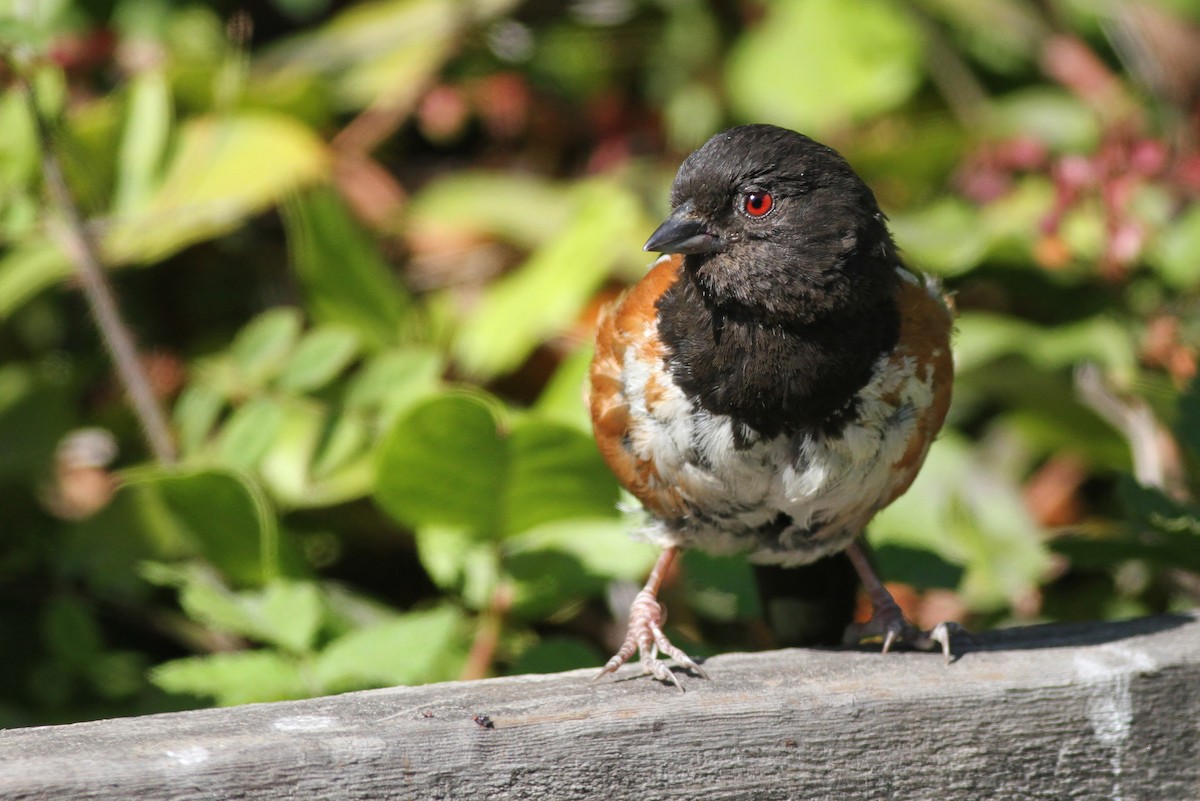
column 683, row 232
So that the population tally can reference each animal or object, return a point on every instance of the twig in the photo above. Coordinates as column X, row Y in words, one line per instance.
column 487, row 636
column 1156, row 459
column 84, row 256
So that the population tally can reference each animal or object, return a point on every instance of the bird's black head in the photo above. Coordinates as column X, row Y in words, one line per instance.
column 777, row 226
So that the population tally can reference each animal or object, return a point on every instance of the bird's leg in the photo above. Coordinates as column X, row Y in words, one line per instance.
column 887, row 620
column 645, row 633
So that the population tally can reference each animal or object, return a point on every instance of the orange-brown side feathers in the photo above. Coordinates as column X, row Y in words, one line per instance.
column 628, row 329
column 926, row 322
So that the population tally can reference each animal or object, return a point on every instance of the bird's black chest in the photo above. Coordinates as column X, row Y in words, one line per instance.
column 773, row 378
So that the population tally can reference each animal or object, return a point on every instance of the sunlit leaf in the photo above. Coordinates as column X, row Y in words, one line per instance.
column 223, row 170
column 314, row 461
column 385, row 49
column 603, row 546
column 943, row 238
column 221, row 514
column 144, row 139
column 345, row 278
column 546, row 294
column 250, row 432
column 320, row 355
column 968, row 511
column 522, row 209
column 982, row 337
column 405, row 650
column 262, row 348
column 845, row 60
column 26, row 270
column 554, row 473
column 1048, row 114
column 243, row 677
column 196, row 413
column 394, row 380
column 443, row 463
column 562, row 400
column 1176, row 254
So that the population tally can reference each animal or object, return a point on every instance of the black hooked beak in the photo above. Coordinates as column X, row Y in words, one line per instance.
column 683, row 232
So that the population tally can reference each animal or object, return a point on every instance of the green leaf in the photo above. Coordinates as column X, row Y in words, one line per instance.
column 964, row 508
column 519, row 208
column 345, row 278
column 224, row 170
column 1187, row 421
column 291, row 613
column 555, row 472
column 459, row 561
column 410, row 649
column 27, row 269
column 562, row 400
column 942, row 238
column 983, row 337
column 70, row 630
column 917, row 567
column 262, row 348
column 250, row 432
column 391, row 382
column 284, row 613
column 566, row 562
column 196, row 413
column 245, row 677
column 316, row 460
column 556, row 654
column 443, row 463
column 222, row 514
column 1048, row 114
column 546, row 294
column 321, row 355
column 847, row 60
column 380, row 51
column 721, row 587
column 446, row 463
column 35, row 410
column 1169, row 526
column 1176, row 253
column 144, row 140
column 602, row 546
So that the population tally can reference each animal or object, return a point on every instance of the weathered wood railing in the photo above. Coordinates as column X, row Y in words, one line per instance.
column 1106, row 710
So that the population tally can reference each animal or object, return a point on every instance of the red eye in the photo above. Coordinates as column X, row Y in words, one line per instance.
column 757, row 204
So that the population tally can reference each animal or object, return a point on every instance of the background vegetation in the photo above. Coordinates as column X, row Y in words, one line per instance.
column 361, row 247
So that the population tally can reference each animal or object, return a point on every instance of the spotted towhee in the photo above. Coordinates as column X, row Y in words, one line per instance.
column 776, row 379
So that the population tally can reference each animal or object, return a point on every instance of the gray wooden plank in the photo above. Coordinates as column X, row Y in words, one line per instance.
column 1106, row 710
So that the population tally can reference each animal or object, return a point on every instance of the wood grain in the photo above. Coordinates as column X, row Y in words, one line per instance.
column 1106, row 710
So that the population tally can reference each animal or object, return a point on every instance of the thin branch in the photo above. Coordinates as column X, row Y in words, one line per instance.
column 85, row 258
column 1156, row 458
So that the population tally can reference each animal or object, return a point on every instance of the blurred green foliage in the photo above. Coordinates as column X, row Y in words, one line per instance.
column 363, row 245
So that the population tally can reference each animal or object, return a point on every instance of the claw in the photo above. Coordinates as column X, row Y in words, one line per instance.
column 888, row 621
column 889, row 639
column 646, row 636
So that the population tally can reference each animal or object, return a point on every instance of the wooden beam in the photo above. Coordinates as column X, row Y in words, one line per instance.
column 1105, row 710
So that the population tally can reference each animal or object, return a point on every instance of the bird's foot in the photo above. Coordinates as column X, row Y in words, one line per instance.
column 889, row 622
column 645, row 635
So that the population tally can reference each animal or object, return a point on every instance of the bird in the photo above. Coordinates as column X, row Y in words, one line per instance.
column 775, row 378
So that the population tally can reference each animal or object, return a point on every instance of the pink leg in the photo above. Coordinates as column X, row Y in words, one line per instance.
column 887, row 620
column 645, row 634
